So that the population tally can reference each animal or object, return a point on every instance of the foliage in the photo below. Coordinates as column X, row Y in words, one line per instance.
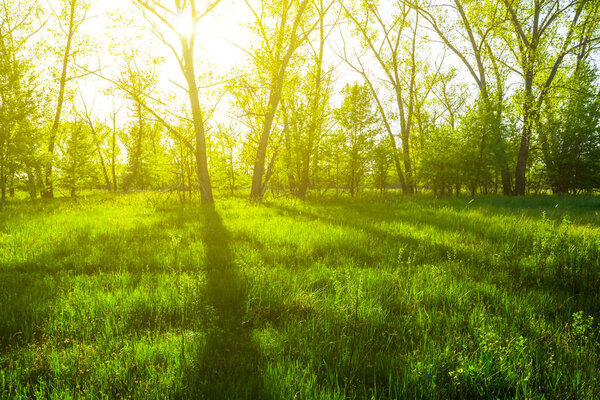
column 357, row 119
column 20, row 102
column 75, row 161
column 382, row 162
column 442, row 158
column 571, row 135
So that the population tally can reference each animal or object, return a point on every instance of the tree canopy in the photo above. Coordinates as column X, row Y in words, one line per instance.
column 299, row 97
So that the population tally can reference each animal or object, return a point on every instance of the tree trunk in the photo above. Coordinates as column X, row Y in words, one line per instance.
column 3, row 175
column 48, row 191
column 521, row 167
column 257, row 190
column 99, row 149
column 138, row 150
column 506, row 181
column 206, row 194
column 256, row 193
column 315, row 114
column 2, row 184
column 407, row 167
column 390, row 135
column 114, row 156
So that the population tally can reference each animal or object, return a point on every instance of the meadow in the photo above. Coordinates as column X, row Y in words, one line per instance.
column 380, row 297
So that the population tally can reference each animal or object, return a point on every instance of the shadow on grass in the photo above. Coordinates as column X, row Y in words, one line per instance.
column 228, row 364
column 476, row 265
column 26, row 299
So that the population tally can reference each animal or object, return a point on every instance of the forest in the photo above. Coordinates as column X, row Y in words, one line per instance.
column 299, row 199
column 484, row 97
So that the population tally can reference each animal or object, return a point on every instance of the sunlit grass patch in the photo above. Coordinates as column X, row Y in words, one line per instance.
column 326, row 299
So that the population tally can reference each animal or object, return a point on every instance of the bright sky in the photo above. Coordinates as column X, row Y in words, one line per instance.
column 221, row 37
column 215, row 51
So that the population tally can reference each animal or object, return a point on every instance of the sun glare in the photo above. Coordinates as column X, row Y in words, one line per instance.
column 184, row 25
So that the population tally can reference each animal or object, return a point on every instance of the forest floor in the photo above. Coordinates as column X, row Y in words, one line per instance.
column 130, row 296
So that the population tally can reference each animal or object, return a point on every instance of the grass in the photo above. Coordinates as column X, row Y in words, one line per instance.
column 381, row 297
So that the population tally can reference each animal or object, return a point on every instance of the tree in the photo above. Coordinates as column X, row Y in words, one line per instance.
column 226, row 145
column 318, row 96
column 114, row 148
column 139, row 83
column 185, row 12
column 19, row 98
column 476, row 50
column 442, row 168
column 292, row 28
column 570, row 134
column 98, row 139
column 73, row 14
column 382, row 161
column 386, row 42
column 446, row 144
column 75, row 163
column 304, row 108
column 357, row 121
column 305, row 112
column 540, row 47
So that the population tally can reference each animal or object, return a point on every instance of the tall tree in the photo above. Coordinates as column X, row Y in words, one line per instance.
column 72, row 15
column 138, row 82
column 185, row 12
column 543, row 33
column 318, row 99
column 475, row 21
column 570, row 133
column 19, row 97
column 392, row 42
column 75, row 163
column 357, row 121
column 97, row 139
column 226, row 145
column 278, row 44
column 114, row 148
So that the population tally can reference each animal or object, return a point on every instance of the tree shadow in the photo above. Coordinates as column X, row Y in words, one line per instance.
column 228, row 362
column 475, row 264
column 26, row 298
column 422, row 251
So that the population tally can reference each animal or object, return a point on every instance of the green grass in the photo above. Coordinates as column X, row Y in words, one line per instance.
column 381, row 297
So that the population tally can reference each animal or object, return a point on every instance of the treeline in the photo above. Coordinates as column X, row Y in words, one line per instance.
column 447, row 96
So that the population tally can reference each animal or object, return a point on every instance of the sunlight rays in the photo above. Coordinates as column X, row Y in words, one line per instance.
column 185, row 25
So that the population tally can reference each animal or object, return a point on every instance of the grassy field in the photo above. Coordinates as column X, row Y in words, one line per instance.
column 382, row 297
